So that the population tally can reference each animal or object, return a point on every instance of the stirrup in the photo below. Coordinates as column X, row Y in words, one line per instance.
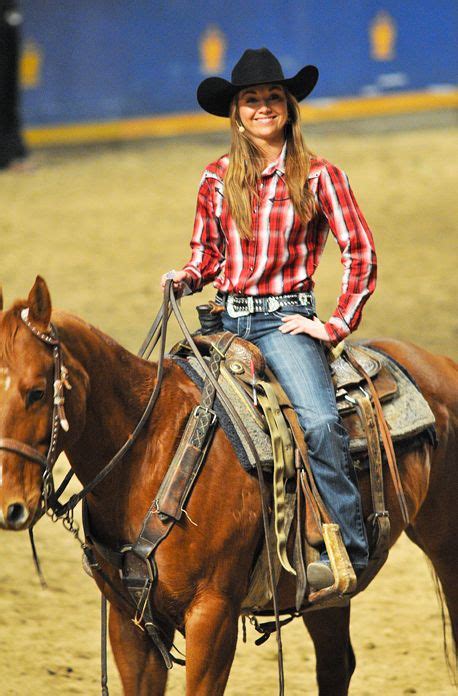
column 342, row 569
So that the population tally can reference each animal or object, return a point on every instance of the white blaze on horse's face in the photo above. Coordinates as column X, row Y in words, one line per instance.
column 5, row 383
column 5, row 378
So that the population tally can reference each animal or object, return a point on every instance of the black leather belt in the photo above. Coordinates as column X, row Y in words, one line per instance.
column 242, row 305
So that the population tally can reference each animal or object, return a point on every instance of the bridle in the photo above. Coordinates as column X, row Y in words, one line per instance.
column 50, row 503
column 58, row 418
column 50, row 497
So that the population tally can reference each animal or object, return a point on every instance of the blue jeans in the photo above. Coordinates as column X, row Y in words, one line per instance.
column 300, row 366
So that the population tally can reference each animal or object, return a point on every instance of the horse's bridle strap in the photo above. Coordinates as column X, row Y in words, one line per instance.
column 23, row 450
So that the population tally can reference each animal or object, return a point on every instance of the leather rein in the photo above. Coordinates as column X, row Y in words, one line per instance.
column 50, row 503
column 49, row 496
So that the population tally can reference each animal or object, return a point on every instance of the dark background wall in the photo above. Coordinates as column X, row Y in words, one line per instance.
column 109, row 59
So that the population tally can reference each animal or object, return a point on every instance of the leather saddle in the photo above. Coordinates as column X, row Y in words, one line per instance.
column 246, row 364
column 366, row 383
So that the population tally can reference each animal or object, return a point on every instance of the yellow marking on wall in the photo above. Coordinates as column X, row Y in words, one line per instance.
column 191, row 123
column 31, row 65
column 212, row 49
column 382, row 33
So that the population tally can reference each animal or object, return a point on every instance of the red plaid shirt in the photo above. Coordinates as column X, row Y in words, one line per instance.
column 283, row 254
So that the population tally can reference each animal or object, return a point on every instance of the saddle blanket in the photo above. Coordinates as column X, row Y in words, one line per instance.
column 407, row 413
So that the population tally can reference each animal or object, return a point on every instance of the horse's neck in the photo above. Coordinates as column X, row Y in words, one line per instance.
column 117, row 391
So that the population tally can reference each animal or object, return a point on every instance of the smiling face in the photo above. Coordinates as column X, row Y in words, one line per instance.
column 263, row 111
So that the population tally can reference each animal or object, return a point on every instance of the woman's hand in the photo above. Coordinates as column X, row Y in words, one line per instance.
column 179, row 277
column 296, row 324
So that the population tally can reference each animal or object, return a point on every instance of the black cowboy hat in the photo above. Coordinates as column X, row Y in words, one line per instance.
column 256, row 66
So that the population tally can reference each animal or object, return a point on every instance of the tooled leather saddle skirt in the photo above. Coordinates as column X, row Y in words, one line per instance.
column 405, row 409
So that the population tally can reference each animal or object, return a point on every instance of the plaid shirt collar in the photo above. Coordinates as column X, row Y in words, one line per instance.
column 277, row 166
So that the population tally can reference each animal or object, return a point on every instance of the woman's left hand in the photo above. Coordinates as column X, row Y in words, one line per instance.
column 296, row 324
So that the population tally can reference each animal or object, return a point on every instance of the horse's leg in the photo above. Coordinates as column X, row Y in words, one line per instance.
column 335, row 659
column 140, row 665
column 211, row 638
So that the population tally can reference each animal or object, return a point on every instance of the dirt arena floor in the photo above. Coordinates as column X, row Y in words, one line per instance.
column 101, row 225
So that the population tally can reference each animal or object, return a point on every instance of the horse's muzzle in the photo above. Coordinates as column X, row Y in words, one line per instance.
column 17, row 515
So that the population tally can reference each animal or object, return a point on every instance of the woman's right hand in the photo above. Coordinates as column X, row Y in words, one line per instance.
column 179, row 277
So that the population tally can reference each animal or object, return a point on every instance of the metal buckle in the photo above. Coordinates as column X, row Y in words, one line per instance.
column 304, row 299
column 232, row 311
column 199, row 407
column 250, row 303
column 273, row 304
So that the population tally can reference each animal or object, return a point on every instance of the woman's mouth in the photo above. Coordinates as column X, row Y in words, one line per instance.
column 265, row 119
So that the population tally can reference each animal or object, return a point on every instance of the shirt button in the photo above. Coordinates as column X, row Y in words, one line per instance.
column 251, row 268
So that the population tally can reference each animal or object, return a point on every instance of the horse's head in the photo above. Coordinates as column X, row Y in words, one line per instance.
column 33, row 391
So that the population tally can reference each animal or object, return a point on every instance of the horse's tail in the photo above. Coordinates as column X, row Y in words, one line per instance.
column 450, row 651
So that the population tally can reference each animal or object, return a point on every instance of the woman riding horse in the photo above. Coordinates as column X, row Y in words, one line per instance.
column 263, row 215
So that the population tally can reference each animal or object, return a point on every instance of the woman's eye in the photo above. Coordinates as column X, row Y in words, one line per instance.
column 33, row 396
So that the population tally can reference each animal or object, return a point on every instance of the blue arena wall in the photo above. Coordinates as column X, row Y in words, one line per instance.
column 98, row 60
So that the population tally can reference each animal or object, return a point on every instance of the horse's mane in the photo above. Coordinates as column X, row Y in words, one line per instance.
column 135, row 373
column 65, row 321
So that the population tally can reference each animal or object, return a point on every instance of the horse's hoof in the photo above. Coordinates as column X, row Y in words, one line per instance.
column 319, row 575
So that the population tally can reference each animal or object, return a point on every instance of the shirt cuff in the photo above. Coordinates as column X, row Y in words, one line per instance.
column 337, row 330
column 195, row 279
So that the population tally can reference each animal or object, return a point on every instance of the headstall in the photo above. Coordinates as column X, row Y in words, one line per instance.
column 58, row 420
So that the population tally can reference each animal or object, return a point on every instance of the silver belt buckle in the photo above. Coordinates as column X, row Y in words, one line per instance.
column 304, row 299
column 272, row 304
column 234, row 313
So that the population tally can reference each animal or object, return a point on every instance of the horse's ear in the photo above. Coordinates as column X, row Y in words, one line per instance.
column 39, row 302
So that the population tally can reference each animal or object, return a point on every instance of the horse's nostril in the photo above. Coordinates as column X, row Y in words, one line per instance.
column 16, row 514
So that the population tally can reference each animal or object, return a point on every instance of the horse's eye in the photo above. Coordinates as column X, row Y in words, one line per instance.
column 34, row 395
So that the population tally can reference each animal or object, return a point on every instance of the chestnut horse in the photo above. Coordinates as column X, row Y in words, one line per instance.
column 204, row 567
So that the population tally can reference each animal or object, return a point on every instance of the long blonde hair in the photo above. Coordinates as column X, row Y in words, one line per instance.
column 246, row 164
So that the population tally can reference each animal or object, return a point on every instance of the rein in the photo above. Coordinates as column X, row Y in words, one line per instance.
column 50, row 497
column 227, row 405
